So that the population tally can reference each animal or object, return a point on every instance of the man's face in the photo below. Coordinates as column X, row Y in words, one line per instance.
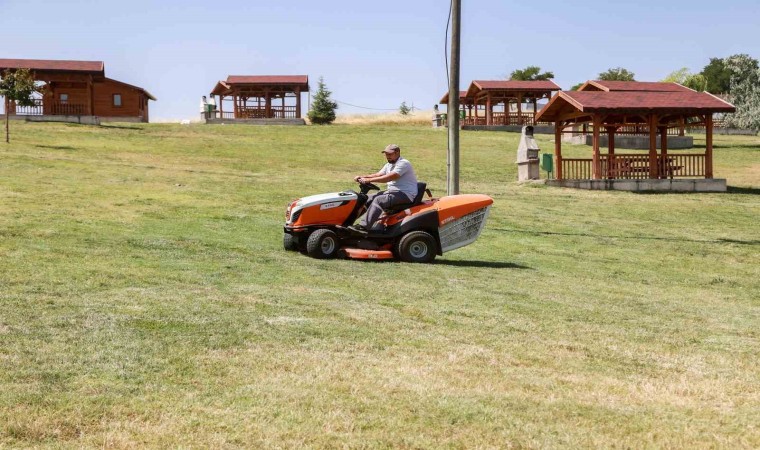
column 392, row 157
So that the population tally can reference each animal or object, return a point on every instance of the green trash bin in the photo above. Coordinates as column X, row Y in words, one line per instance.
column 462, row 114
column 547, row 163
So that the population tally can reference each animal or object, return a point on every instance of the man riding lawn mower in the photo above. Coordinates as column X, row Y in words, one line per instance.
column 397, row 225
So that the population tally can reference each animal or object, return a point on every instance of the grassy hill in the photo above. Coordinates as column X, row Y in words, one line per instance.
column 145, row 300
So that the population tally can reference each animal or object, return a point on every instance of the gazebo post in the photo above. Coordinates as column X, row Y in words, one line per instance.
column 535, row 110
column 611, row 165
column 663, row 151
column 221, row 106
column 653, row 146
column 519, row 109
column 558, row 147
column 596, row 166
column 235, row 105
column 489, row 109
column 268, row 105
column 298, row 103
column 708, row 145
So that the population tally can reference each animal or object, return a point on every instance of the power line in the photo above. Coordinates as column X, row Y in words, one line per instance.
column 365, row 107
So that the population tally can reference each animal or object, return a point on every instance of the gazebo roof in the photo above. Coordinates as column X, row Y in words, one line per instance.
column 632, row 86
column 53, row 65
column 445, row 98
column 511, row 86
column 261, row 81
column 632, row 102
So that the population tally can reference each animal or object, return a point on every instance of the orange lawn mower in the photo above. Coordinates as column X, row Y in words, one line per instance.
column 318, row 225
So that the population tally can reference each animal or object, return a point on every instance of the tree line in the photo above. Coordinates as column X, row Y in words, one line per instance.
column 735, row 78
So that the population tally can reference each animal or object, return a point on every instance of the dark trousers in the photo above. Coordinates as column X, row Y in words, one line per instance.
column 379, row 201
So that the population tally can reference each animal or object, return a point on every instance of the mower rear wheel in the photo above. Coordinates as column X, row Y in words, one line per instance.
column 323, row 244
column 290, row 242
column 417, row 247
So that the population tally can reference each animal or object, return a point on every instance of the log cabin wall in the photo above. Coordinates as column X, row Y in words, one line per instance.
column 133, row 103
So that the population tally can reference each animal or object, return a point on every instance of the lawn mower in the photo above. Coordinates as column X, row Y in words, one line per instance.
column 417, row 231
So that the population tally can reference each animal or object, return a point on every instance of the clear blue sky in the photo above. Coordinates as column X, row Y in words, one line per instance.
column 372, row 53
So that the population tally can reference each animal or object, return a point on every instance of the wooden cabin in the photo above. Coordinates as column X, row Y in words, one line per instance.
column 260, row 97
column 612, row 108
column 503, row 102
column 80, row 88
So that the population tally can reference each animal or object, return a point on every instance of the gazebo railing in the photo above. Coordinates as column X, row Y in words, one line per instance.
column 636, row 167
column 275, row 112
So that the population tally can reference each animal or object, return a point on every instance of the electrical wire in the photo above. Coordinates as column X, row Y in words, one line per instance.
column 365, row 107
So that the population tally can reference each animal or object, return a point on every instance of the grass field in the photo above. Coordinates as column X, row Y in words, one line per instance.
column 145, row 300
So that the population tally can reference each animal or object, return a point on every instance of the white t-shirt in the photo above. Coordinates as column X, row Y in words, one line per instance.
column 407, row 180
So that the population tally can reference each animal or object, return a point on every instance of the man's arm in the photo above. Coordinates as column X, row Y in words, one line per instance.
column 379, row 178
column 376, row 174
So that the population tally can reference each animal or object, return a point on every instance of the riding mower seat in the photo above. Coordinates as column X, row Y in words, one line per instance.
column 421, row 188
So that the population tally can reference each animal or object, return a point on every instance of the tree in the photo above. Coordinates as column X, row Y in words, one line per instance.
column 682, row 76
column 322, row 108
column 617, row 74
column 16, row 86
column 718, row 76
column 404, row 110
column 531, row 73
column 577, row 86
column 744, row 92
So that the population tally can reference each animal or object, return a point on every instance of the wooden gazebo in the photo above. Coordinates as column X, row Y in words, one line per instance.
column 500, row 102
column 654, row 106
column 261, row 96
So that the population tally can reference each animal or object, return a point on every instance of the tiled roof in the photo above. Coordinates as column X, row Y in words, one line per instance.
column 624, row 102
column 148, row 94
column 445, row 98
column 268, row 79
column 515, row 85
column 649, row 86
column 53, row 65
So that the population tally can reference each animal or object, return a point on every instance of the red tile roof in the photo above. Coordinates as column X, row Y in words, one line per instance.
column 303, row 80
column 649, row 86
column 445, row 98
column 515, row 85
column 625, row 102
column 53, row 65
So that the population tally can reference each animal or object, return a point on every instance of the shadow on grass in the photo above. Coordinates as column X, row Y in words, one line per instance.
column 633, row 238
column 475, row 263
column 743, row 190
column 121, row 127
column 56, row 147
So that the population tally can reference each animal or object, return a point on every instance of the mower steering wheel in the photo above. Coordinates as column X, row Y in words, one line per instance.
column 366, row 187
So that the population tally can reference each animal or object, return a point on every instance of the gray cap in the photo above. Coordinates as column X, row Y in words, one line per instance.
column 392, row 148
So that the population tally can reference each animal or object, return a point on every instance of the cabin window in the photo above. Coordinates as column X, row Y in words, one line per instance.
column 116, row 99
column 64, row 98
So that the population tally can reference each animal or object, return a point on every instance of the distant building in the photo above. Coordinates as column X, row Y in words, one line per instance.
column 80, row 88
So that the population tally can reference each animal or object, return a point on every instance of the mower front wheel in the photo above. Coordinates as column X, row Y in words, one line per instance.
column 290, row 242
column 323, row 244
column 417, row 247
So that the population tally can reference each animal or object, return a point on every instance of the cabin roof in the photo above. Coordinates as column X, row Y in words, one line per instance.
column 138, row 88
column 53, row 65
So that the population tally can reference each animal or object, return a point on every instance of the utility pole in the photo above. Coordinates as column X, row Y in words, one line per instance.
column 453, row 108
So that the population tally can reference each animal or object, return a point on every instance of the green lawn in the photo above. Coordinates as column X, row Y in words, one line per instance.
column 145, row 300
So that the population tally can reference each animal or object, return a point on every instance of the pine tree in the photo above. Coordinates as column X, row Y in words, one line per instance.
column 16, row 86
column 322, row 108
column 404, row 110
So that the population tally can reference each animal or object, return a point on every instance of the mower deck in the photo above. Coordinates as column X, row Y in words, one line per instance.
column 358, row 253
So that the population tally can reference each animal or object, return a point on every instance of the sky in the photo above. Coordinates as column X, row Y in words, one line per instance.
column 373, row 55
